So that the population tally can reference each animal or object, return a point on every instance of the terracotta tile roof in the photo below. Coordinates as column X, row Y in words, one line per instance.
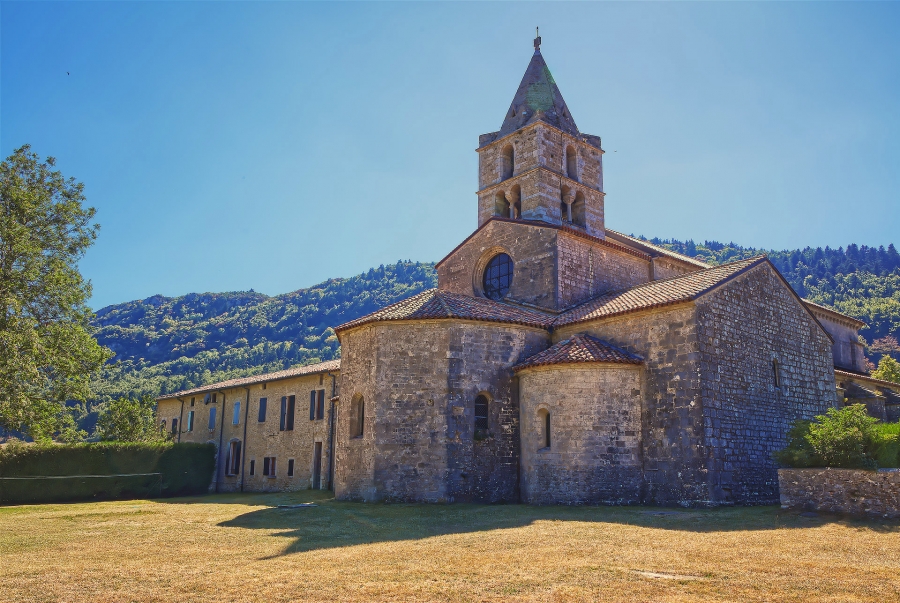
column 647, row 246
column 826, row 310
column 580, row 349
column 297, row 371
column 435, row 303
column 656, row 293
column 854, row 375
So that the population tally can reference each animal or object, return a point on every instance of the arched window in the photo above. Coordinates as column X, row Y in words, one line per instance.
column 501, row 205
column 579, row 212
column 481, row 413
column 544, row 427
column 571, row 163
column 357, row 416
column 508, row 161
column 498, row 276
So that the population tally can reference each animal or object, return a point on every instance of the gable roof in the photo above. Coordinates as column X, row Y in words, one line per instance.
column 844, row 374
column 656, row 294
column 648, row 247
column 435, row 303
column 541, row 224
column 833, row 313
column 538, row 99
column 580, row 349
column 298, row 371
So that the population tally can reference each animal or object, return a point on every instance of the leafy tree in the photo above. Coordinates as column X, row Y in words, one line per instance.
column 129, row 420
column 888, row 369
column 847, row 438
column 46, row 350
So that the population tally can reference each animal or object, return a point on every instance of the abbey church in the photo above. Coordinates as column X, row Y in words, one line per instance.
column 557, row 361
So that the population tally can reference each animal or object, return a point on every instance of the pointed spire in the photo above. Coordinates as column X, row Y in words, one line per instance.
column 538, row 99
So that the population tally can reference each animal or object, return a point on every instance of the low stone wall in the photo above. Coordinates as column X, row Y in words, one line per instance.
column 846, row 491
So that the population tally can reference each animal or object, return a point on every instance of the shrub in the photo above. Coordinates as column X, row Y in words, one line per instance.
column 103, row 471
column 846, row 438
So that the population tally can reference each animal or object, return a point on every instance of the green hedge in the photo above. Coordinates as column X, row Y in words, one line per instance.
column 79, row 471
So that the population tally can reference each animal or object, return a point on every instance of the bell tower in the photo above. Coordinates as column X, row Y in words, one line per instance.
column 538, row 166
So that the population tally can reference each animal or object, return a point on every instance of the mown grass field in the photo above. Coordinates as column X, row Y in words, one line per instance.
column 245, row 548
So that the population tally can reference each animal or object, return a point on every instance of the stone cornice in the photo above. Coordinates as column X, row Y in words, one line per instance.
column 503, row 183
column 547, row 125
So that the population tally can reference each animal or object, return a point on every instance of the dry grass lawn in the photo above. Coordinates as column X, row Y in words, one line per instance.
column 244, row 548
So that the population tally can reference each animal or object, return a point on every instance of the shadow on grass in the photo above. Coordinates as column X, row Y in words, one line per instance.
column 334, row 523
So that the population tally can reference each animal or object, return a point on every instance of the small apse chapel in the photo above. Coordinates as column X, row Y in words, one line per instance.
column 557, row 361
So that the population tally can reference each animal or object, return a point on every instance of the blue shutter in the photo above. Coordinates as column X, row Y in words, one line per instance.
column 291, row 409
column 263, row 402
column 283, row 411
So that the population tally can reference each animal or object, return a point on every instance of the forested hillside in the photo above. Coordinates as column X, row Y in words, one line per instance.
column 166, row 344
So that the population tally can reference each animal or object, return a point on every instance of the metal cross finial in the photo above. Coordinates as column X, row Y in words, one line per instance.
column 537, row 39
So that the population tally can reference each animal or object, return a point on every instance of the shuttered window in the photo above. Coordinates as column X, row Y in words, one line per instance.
column 312, row 405
column 287, row 413
column 320, row 404
column 263, row 403
column 212, row 418
column 236, row 416
column 190, row 424
column 292, row 403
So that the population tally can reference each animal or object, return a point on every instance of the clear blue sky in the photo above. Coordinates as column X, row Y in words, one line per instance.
column 229, row 146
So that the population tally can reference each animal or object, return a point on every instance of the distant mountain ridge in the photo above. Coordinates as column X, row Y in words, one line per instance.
column 165, row 344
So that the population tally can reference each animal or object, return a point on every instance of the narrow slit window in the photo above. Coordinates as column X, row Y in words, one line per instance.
column 776, row 374
column 290, row 468
column 481, row 413
column 252, row 467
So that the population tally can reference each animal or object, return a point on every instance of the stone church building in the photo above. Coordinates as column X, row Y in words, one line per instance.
column 557, row 361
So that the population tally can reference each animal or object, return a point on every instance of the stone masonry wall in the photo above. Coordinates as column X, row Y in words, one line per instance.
column 595, row 417
column 664, row 268
column 532, row 249
column 420, row 380
column 743, row 326
column 847, row 351
column 844, row 491
column 674, row 463
column 540, row 173
column 354, row 457
column 588, row 269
